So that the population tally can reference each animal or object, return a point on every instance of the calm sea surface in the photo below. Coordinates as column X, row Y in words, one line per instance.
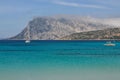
column 59, row 60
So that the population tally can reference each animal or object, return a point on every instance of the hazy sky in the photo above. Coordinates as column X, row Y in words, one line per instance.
column 14, row 14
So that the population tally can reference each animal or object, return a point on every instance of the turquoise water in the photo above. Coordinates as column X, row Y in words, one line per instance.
column 59, row 60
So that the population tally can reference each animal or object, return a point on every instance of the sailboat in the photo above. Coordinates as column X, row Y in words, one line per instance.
column 27, row 41
column 109, row 43
column 28, row 35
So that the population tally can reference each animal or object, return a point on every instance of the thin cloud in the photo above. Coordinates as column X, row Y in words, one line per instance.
column 110, row 2
column 79, row 5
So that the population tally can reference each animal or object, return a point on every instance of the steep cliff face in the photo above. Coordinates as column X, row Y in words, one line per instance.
column 52, row 28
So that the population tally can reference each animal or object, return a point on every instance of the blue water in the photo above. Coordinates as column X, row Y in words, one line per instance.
column 59, row 60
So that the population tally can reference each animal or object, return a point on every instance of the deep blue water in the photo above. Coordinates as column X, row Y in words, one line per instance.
column 59, row 60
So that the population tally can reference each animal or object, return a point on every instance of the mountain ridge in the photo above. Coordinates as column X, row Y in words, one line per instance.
column 54, row 28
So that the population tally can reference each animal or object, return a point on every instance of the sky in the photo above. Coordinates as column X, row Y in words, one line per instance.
column 15, row 14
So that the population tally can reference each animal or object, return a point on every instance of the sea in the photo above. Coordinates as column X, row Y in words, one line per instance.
column 59, row 60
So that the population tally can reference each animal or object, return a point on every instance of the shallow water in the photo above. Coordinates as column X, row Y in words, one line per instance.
column 59, row 60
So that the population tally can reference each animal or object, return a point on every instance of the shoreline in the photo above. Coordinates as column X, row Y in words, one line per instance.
column 65, row 40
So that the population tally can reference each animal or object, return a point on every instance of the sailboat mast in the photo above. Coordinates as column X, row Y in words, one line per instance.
column 110, row 34
column 28, row 32
column 28, row 35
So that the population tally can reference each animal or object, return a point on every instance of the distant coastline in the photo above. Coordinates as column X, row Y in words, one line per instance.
column 66, row 40
column 68, row 28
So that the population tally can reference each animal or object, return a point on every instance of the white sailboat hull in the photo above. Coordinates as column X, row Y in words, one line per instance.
column 27, row 41
column 110, row 44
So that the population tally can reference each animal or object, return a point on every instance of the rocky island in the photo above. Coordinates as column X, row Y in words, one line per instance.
column 68, row 28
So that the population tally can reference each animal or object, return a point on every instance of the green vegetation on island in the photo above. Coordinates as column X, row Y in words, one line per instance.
column 111, row 33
